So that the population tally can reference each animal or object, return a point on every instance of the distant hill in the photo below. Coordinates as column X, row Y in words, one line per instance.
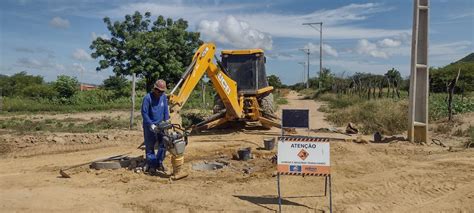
column 468, row 58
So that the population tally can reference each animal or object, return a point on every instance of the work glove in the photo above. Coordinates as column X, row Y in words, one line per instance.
column 153, row 127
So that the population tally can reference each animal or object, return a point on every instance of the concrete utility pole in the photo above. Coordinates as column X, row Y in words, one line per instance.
column 419, row 75
column 307, row 51
column 304, row 69
column 320, row 46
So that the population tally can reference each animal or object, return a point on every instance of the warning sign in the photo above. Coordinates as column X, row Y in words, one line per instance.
column 303, row 155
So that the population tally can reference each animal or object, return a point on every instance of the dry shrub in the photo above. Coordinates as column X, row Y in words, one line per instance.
column 384, row 115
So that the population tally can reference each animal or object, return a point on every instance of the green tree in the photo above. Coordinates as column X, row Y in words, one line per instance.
column 274, row 81
column 66, row 86
column 439, row 77
column 119, row 85
column 159, row 49
column 14, row 85
column 326, row 79
column 394, row 75
column 39, row 91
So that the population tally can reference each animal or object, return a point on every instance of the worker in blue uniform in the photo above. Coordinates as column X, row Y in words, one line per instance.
column 155, row 110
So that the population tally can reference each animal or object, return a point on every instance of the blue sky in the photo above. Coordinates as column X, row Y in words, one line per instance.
column 52, row 37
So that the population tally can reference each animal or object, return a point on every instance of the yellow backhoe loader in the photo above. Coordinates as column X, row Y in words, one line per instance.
column 240, row 82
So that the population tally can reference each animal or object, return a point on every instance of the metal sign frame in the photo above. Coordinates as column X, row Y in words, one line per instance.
column 302, row 123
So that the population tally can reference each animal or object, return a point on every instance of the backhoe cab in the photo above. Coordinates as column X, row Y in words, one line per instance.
column 247, row 68
column 240, row 82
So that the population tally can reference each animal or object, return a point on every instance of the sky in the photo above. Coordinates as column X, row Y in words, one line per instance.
column 52, row 37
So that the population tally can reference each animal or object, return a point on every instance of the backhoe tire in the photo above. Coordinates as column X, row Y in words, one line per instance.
column 266, row 104
column 218, row 104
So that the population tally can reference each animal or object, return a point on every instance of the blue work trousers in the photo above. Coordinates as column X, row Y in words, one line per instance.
column 151, row 138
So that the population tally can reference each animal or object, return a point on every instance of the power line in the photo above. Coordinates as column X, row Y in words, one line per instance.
column 307, row 51
column 312, row 25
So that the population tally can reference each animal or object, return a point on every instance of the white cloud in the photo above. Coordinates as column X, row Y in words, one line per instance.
column 236, row 33
column 460, row 15
column 59, row 22
column 37, row 50
column 368, row 48
column 338, row 22
column 450, row 48
column 40, row 64
column 444, row 53
column 327, row 49
column 280, row 56
column 81, row 55
column 78, row 67
column 387, row 42
column 353, row 66
column 95, row 36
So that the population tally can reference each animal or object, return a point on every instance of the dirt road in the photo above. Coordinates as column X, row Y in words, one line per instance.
column 395, row 177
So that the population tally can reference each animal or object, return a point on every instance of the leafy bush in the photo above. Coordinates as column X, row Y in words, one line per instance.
column 66, row 86
column 13, row 85
column 39, row 91
column 119, row 85
column 275, row 82
column 98, row 96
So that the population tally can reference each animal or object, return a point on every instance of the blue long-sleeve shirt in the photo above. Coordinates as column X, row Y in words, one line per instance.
column 154, row 109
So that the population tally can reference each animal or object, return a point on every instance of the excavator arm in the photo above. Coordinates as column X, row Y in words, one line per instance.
column 202, row 63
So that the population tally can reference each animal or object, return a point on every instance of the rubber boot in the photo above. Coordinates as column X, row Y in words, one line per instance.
column 177, row 162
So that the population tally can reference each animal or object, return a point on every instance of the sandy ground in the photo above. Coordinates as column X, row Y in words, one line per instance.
column 393, row 177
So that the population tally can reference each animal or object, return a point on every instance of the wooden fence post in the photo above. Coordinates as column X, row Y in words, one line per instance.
column 133, row 100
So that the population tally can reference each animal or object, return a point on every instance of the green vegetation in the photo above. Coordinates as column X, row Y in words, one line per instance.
column 64, row 125
column 63, row 95
column 439, row 77
column 380, row 102
column 152, row 49
column 279, row 97
column 388, row 116
column 275, row 82
column 385, row 115
column 438, row 107
column 66, row 87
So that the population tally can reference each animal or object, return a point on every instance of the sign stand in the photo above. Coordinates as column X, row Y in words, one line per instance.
column 313, row 152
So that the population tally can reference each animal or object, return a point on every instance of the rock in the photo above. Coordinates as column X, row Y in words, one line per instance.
column 59, row 140
column 49, row 138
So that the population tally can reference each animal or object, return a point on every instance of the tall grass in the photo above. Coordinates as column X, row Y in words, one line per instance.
column 386, row 115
